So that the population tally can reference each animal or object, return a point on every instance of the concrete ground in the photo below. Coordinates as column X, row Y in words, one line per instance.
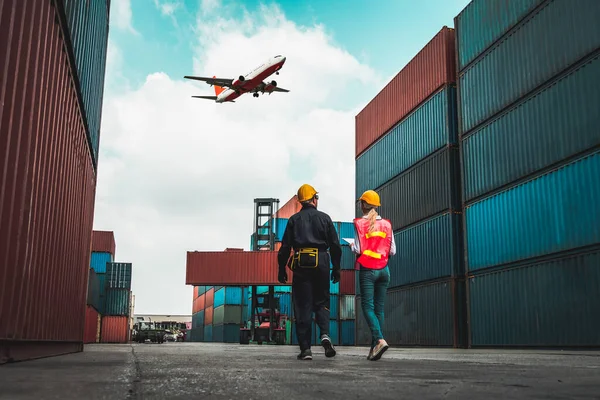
column 221, row 371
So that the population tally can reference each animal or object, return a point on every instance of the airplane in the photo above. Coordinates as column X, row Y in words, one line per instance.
column 251, row 83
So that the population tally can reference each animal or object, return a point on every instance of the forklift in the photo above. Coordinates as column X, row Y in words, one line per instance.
column 271, row 327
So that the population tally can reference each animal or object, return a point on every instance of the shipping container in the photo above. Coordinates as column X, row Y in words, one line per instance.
column 344, row 230
column 547, row 34
column 482, row 22
column 209, row 298
column 285, row 304
column 363, row 333
column 98, row 261
column 115, row 329
column 196, row 334
column 227, row 314
column 334, row 306
column 431, row 314
column 334, row 288
column 226, row 333
column 429, row 70
column 290, row 208
column 334, row 332
column 348, row 257
column 347, row 332
column 429, row 128
column 549, row 303
column 428, row 188
column 201, row 290
column 93, row 290
column 198, row 319
column 555, row 212
column 104, row 242
column 347, row 282
column 199, row 304
column 347, row 310
column 86, row 36
column 91, row 332
column 118, row 275
column 208, row 333
column 234, row 268
column 228, row 295
column 102, row 286
column 48, row 182
column 234, row 249
column 430, row 250
column 117, row 302
column 208, row 315
column 554, row 123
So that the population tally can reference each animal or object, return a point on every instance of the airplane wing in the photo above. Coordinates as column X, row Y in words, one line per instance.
column 206, row 97
column 278, row 89
column 212, row 81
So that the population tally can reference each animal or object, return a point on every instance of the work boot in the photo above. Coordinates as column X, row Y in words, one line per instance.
column 328, row 346
column 305, row 355
column 379, row 349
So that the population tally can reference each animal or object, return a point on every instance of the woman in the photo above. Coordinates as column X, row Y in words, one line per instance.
column 374, row 242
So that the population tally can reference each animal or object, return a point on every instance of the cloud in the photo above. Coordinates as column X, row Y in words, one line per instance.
column 178, row 174
column 122, row 16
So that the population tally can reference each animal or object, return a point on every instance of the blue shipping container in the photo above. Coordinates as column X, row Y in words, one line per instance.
column 483, row 22
column 227, row 333
column 334, row 332
column 101, row 283
column 429, row 128
column 551, row 303
column 556, row 122
column 208, row 333
column 118, row 275
column 347, row 333
column 427, row 251
column 117, row 302
column 507, row 72
column 98, row 261
column 228, row 295
column 285, row 304
column 334, row 306
column 345, row 230
column 556, row 212
column 334, row 288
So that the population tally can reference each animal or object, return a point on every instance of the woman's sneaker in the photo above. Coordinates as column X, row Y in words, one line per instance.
column 328, row 346
column 370, row 354
column 379, row 349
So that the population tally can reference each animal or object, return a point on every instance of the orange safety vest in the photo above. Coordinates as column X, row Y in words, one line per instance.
column 374, row 246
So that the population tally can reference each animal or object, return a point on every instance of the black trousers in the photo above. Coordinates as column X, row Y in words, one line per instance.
column 310, row 291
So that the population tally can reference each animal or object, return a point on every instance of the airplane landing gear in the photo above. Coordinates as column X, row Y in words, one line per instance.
column 255, row 94
column 276, row 72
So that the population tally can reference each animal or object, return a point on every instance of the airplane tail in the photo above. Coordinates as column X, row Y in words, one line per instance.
column 218, row 89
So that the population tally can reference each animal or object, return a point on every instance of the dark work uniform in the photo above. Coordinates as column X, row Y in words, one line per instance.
column 311, row 228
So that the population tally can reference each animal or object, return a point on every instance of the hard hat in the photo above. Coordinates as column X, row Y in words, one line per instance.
column 306, row 192
column 371, row 197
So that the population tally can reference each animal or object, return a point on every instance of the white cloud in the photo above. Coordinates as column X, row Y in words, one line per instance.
column 178, row 174
column 121, row 15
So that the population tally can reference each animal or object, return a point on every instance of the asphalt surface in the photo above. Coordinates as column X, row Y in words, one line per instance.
column 221, row 371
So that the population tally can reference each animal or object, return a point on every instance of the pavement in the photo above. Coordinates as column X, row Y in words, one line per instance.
column 224, row 371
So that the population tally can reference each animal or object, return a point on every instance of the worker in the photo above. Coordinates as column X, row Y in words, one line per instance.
column 310, row 233
column 374, row 243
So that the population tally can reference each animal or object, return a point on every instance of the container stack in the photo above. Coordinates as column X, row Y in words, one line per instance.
column 528, row 89
column 407, row 151
column 117, row 304
column 203, row 307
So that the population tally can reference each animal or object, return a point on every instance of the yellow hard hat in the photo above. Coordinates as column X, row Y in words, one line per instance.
column 306, row 192
column 371, row 197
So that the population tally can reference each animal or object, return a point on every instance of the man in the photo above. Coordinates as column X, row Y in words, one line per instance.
column 310, row 233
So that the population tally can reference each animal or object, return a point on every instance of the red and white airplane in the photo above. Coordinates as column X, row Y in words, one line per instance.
column 251, row 83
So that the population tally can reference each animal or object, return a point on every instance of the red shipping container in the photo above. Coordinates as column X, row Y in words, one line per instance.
column 209, row 297
column 208, row 315
column 201, row 302
column 348, row 282
column 91, row 333
column 103, row 242
column 233, row 268
column 290, row 208
column 47, row 182
column 233, row 249
column 195, row 292
column 114, row 329
column 433, row 67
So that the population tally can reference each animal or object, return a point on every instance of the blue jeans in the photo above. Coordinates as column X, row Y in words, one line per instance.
column 373, row 287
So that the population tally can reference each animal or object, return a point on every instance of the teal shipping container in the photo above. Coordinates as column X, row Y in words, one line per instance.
column 228, row 295
column 552, row 213
column 198, row 319
column 347, row 333
column 334, row 332
column 195, row 335
column 118, row 275
column 552, row 303
column 506, row 72
column 208, row 333
column 429, row 128
column 93, row 290
column 102, row 289
column 334, row 306
column 98, row 261
column 285, row 304
column 201, row 290
column 227, row 314
column 117, row 302
column 226, row 333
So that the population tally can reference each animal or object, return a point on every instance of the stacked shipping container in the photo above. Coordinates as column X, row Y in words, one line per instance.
column 48, row 180
column 531, row 161
column 407, row 151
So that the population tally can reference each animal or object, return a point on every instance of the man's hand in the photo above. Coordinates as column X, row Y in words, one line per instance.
column 335, row 275
column 282, row 278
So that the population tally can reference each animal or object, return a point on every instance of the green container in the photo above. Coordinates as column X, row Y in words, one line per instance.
column 227, row 314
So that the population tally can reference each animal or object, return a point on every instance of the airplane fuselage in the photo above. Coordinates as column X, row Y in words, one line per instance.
column 251, row 80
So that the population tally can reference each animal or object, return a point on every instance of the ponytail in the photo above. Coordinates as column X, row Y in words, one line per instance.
column 372, row 216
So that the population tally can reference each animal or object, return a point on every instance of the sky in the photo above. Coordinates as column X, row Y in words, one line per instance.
column 179, row 174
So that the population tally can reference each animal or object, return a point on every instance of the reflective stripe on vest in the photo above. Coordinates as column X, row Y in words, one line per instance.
column 372, row 254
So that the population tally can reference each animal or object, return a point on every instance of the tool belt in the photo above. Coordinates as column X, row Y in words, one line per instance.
column 305, row 258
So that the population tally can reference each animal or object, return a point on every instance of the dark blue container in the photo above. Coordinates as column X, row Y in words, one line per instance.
column 196, row 335
column 208, row 333
column 98, row 261
column 93, row 290
column 117, row 302
column 226, row 333
column 555, row 212
column 554, row 123
column 285, row 304
column 483, row 22
column 118, row 275
column 551, row 39
column 429, row 128
column 228, row 295
column 549, row 303
column 102, row 290
column 429, row 188
column 347, row 332
column 429, row 250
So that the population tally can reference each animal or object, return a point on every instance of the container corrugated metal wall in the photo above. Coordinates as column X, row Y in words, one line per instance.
column 429, row 128
column 208, row 315
column 425, row 315
column 201, row 290
column 226, row 333
column 93, row 293
column 290, row 208
column 88, row 26
column 92, row 325
column 334, row 306
column 429, row 70
column 102, row 286
column 550, row 303
column 540, row 36
column 208, row 333
column 114, row 329
column 348, row 257
column 429, row 250
column 347, row 331
column 422, row 191
column 228, row 314
column 228, row 295
column 197, row 334
column 285, row 304
column 48, row 182
column 347, row 304
column 117, row 302
column 198, row 319
column 334, row 332
column 98, row 261
column 555, row 212
column 556, row 122
column 344, row 230
column 118, row 275
column 209, row 297
column 347, row 283
column 483, row 22
column 104, row 242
